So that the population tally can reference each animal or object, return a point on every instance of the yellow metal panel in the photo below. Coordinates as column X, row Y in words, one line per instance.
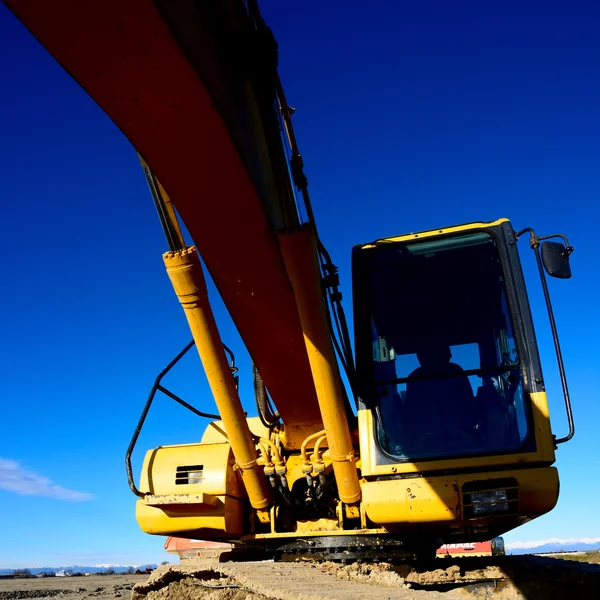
column 366, row 437
column 211, row 508
column 417, row 500
column 215, row 431
column 538, row 490
column 306, row 534
column 160, row 467
column 542, row 427
column 182, row 499
column 438, row 499
column 434, row 232
column 203, row 523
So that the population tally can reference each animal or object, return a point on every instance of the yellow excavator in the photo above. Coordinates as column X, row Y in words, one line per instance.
column 433, row 429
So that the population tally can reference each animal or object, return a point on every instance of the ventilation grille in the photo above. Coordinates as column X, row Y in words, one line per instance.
column 190, row 474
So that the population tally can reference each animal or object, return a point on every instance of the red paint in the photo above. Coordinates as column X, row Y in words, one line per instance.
column 183, row 547
column 124, row 56
column 466, row 549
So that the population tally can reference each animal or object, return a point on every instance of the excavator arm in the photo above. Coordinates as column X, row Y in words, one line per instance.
column 191, row 85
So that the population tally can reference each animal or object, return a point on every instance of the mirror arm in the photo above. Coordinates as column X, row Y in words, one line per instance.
column 568, row 249
column 534, row 242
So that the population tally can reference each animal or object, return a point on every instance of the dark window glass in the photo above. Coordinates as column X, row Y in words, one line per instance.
column 446, row 370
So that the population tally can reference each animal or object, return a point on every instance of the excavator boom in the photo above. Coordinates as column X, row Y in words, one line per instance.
column 128, row 59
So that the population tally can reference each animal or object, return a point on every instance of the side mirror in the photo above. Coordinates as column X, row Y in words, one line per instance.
column 555, row 257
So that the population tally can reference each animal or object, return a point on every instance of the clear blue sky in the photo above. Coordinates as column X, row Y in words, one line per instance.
column 410, row 116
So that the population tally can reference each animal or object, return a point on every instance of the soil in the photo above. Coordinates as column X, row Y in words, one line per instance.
column 589, row 557
column 267, row 580
column 172, row 583
column 93, row 587
column 507, row 578
column 407, row 575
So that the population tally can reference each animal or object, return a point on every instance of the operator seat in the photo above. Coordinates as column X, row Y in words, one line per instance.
column 439, row 408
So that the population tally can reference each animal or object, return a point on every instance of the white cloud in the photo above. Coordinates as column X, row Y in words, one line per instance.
column 563, row 542
column 14, row 478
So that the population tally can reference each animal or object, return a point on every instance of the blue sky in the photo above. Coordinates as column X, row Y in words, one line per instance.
column 409, row 115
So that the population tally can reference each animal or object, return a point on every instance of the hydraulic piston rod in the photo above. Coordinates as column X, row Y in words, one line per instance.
column 300, row 257
column 185, row 272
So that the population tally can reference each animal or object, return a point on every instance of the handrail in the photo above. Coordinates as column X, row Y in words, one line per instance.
column 136, row 434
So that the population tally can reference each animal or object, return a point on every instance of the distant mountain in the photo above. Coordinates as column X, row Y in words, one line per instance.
column 82, row 569
column 554, row 546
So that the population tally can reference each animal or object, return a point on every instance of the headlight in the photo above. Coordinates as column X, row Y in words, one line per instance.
column 490, row 497
column 485, row 503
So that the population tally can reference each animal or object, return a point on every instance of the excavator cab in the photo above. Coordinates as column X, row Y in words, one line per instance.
column 450, row 381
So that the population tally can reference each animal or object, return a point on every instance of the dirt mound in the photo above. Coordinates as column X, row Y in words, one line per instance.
column 403, row 575
column 268, row 580
column 455, row 573
column 213, row 589
column 192, row 584
column 380, row 573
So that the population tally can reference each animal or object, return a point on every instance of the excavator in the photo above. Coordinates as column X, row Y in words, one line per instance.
column 430, row 427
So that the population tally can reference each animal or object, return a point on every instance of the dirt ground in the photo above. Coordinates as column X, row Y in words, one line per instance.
column 506, row 578
column 202, row 586
column 93, row 587
column 267, row 580
column 589, row 557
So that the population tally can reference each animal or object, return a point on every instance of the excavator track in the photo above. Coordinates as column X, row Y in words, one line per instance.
column 513, row 577
column 344, row 549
